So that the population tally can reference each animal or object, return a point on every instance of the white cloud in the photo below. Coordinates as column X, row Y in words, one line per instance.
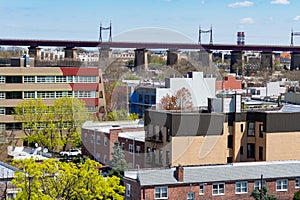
column 283, row 2
column 241, row 4
column 247, row 20
column 297, row 18
column 202, row 1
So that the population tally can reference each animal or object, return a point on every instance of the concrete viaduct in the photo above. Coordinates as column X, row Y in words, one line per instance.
column 172, row 56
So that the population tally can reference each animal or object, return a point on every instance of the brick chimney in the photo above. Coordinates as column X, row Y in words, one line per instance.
column 179, row 173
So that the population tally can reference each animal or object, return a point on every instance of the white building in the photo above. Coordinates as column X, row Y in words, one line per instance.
column 200, row 88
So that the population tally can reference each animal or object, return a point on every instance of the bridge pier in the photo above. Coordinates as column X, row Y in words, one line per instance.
column 172, row 57
column 34, row 52
column 295, row 61
column 141, row 58
column 105, row 53
column 237, row 62
column 267, row 60
column 71, row 53
column 204, row 57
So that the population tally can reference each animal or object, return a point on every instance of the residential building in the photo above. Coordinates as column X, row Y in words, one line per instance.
column 231, row 181
column 229, row 83
column 200, row 137
column 99, row 138
column 21, row 80
column 7, row 189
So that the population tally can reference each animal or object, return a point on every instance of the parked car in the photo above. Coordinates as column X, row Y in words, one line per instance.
column 70, row 153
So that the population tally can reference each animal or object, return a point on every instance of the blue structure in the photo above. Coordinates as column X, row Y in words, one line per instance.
column 142, row 98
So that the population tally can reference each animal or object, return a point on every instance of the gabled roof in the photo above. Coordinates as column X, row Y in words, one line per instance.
column 218, row 173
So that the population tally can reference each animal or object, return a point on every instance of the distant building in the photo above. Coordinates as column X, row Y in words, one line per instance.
column 229, row 83
column 232, row 181
column 20, row 80
column 98, row 140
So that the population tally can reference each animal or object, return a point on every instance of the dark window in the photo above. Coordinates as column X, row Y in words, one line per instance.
column 250, row 150
column 167, row 157
column 100, row 94
column 242, row 127
column 148, row 153
column 229, row 142
column 153, row 100
column 13, row 79
column 13, row 126
column 160, row 135
column 168, row 134
column 251, row 129
column 9, row 111
column 229, row 159
column 160, row 156
column 13, row 95
column 153, row 154
column 261, row 153
column 258, row 92
column 147, row 99
column 140, row 98
column 241, row 150
column 261, row 129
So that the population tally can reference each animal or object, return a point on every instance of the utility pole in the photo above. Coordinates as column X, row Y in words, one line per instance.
column 261, row 187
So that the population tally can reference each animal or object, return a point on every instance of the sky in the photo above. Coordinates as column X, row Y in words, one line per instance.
column 263, row 21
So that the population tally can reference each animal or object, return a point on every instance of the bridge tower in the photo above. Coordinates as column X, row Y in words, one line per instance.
column 295, row 56
column 105, row 51
column 210, row 31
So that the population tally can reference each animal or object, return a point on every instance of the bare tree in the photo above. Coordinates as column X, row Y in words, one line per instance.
column 180, row 100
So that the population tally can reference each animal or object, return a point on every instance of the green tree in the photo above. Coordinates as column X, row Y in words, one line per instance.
column 52, row 126
column 117, row 115
column 296, row 196
column 118, row 163
column 256, row 194
column 51, row 180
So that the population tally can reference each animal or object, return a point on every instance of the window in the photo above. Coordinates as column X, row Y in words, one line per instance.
column 167, row 157
column 257, row 185
column 13, row 95
column 168, row 134
column 160, row 156
column 2, row 79
column 98, row 139
column 105, row 158
column 130, row 148
column 261, row 153
column 59, row 94
column 100, row 94
column 229, row 141
column 29, row 79
column 127, row 190
column 2, row 111
column 60, row 79
column 153, row 154
column 218, row 189
column 138, row 150
column 140, row 98
column 93, row 139
column 242, row 127
column 191, row 196
column 29, row 95
column 201, row 188
column 250, row 150
column 147, row 99
column 261, row 129
column 241, row 187
column 282, row 185
column 46, row 94
column 153, row 100
column 297, row 183
column 85, row 137
column 45, row 79
column 13, row 79
column 161, row 192
column 123, row 146
column 2, row 126
column 105, row 141
column 148, row 153
column 251, row 129
column 2, row 95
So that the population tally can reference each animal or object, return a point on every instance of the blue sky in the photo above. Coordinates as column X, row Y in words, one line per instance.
column 263, row 21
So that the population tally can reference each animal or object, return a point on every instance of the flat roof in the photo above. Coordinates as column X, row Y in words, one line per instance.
column 7, row 171
column 218, row 173
column 108, row 125
column 133, row 135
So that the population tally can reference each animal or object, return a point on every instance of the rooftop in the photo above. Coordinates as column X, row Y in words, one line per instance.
column 218, row 173
column 108, row 125
column 6, row 170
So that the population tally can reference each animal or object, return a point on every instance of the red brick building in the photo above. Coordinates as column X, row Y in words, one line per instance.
column 231, row 181
column 229, row 83
column 98, row 140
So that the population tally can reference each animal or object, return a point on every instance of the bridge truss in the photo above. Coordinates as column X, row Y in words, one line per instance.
column 205, row 32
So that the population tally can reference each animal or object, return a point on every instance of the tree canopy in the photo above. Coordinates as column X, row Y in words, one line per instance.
column 180, row 100
column 51, row 180
column 52, row 126
column 256, row 194
column 118, row 162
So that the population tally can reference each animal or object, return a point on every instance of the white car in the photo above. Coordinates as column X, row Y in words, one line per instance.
column 70, row 153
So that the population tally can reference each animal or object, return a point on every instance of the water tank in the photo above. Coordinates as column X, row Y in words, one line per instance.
column 240, row 38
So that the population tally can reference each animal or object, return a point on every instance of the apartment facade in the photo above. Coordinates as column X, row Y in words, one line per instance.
column 231, row 181
column 99, row 138
column 196, row 138
column 20, row 80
